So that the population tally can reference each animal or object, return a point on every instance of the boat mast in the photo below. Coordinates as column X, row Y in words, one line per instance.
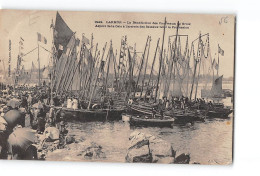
column 200, row 60
column 108, row 63
column 141, row 66
column 161, row 55
column 218, row 61
column 151, row 73
column 196, row 63
column 149, row 42
column 173, row 60
column 101, row 65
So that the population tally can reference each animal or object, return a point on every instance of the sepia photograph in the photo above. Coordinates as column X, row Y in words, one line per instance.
column 117, row 87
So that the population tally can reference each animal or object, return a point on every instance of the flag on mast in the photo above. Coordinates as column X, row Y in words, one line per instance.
column 41, row 38
column 220, row 51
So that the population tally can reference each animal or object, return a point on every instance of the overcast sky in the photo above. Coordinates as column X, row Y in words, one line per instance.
column 15, row 24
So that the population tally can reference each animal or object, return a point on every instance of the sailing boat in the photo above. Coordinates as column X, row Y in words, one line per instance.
column 176, row 69
column 216, row 90
column 80, row 74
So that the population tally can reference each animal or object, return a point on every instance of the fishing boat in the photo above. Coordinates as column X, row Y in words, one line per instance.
column 85, row 74
column 179, row 116
column 178, row 69
column 222, row 113
column 93, row 115
column 152, row 122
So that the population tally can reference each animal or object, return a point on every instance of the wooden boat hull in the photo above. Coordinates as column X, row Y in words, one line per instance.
column 185, row 118
column 180, row 118
column 93, row 115
column 135, row 121
column 223, row 114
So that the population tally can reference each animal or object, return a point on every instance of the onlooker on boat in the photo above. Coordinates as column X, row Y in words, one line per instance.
column 130, row 101
column 154, row 112
column 182, row 103
column 167, row 106
column 75, row 103
column 102, row 102
column 164, row 101
column 69, row 103
column 160, row 107
column 111, row 103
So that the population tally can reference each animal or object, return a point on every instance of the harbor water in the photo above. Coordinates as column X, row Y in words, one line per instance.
column 208, row 142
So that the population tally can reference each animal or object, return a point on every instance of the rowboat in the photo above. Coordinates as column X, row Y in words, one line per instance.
column 219, row 113
column 149, row 121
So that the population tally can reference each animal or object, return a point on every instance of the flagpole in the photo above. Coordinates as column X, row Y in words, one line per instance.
column 218, row 60
column 39, row 64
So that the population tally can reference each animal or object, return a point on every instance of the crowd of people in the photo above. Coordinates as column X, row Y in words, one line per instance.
column 27, row 110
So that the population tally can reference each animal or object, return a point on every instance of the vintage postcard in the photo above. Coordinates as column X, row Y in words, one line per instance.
column 117, row 87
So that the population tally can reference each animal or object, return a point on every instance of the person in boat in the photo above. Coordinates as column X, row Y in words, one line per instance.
column 153, row 112
column 111, row 103
column 102, row 101
column 161, row 108
column 75, row 103
column 82, row 104
column 210, row 104
column 182, row 103
column 69, row 103
column 164, row 101
column 174, row 102
column 130, row 101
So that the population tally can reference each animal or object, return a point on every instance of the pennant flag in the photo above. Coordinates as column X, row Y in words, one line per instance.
column 52, row 25
column 220, row 51
column 131, row 48
column 85, row 40
column 41, row 38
